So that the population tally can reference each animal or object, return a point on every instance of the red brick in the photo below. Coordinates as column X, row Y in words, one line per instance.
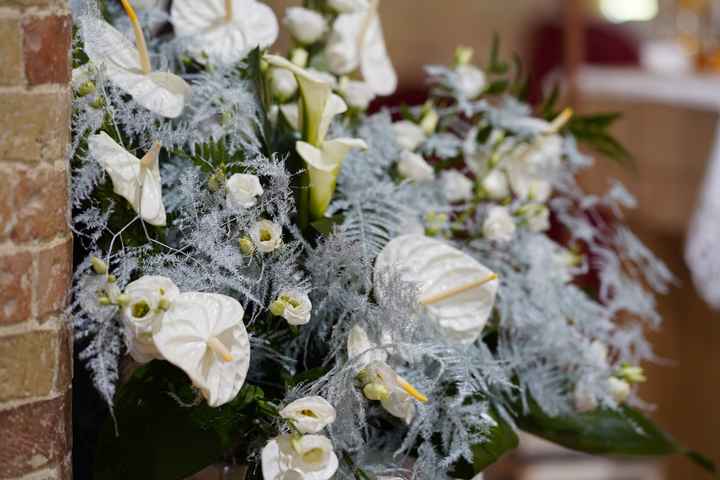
column 35, row 436
column 27, row 365
column 7, row 190
column 54, row 272
column 46, row 47
column 11, row 54
column 15, row 287
column 41, row 197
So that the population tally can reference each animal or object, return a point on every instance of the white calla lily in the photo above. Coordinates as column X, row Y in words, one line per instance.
column 456, row 291
column 357, row 41
column 128, row 66
column 146, row 300
column 224, row 31
column 309, row 414
column 310, row 457
column 204, row 335
column 137, row 180
column 318, row 105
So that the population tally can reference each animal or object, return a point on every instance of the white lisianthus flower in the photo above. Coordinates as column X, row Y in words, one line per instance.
column 309, row 414
column 409, row 135
column 137, row 180
column 322, row 157
column 223, row 31
column 204, row 335
column 309, row 457
column 619, row 389
column 358, row 95
column 348, row 6
column 146, row 300
column 457, row 187
column 293, row 306
column 496, row 185
column 266, row 235
column 357, row 41
column 128, row 66
column 414, row 167
column 499, row 225
column 242, row 191
column 282, row 84
column 306, row 26
column 470, row 81
column 456, row 291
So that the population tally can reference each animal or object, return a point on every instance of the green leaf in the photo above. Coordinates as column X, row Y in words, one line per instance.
column 325, row 225
column 495, row 65
column 501, row 440
column 625, row 431
column 162, row 433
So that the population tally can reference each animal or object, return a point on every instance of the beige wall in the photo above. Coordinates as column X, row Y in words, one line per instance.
column 421, row 32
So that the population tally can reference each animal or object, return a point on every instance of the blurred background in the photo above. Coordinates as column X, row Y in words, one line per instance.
column 657, row 61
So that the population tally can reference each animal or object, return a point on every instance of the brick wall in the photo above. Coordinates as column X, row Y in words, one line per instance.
column 35, row 243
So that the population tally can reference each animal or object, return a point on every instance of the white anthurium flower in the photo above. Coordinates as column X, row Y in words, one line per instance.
column 223, row 31
column 358, row 95
column 266, row 235
column 409, row 135
column 348, row 6
column 137, row 180
column 499, row 225
column 309, row 457
column 283, row 84
column 128, row 66
column 305, row 26
column 144, row 305
column 496, row 185
column 293, row 306
column 380, row 381
column 242, row 191
column 204, row 335
column 414, row 167
column 471, row 81
column 323, row 157
column 309, row 414
column 457, row 187
column 357, row 41
column 456, row 291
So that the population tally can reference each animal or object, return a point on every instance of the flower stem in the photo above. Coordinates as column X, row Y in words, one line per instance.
column 220, row 349
column 139, row 37
column 439, row 297
column 228, row 11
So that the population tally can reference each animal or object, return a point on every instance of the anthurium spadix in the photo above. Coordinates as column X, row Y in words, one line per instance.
column 318, row 106
column 135, row 179
column 128, row 66
column 204, row 335
column 223, row 31
column 456, row 291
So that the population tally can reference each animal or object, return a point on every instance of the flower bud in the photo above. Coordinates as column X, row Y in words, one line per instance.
column 632, row 374
column 104, row 301
column 463, row 55
column 98, row 103
column 430, row 121
column 247, row 247
column 164, row 304
column 619, row 389
column 86, row 89
column 123, row 299
column 306, row 26
column 299, row 56
column 282, row 84
column 277, row 308
column 111, row 278
column 376, row 391
column 99, row 266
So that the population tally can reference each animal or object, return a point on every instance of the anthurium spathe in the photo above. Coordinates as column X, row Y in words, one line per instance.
column 223, row 31
column 323, row 158
column 128, row 66
column 135, row 179
column 204, row 335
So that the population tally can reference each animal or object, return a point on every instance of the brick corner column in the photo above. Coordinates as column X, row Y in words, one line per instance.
column 35, row 240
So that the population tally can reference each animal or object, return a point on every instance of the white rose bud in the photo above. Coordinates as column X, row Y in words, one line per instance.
column 309, row 414
column 242, row 191
column 619, row 389
column 348, row 6
column 408, row 134
column 358, row 95
column 295, row 307
column 471, row 81
column 266, row 235
column 306, row 26
column 499, row 225
column 457, row 186
column 496, row 185
column 414, row 167
column 283, row 84
column 341, row 57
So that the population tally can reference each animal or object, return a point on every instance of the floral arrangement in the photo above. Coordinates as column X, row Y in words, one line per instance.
column 278, row 279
